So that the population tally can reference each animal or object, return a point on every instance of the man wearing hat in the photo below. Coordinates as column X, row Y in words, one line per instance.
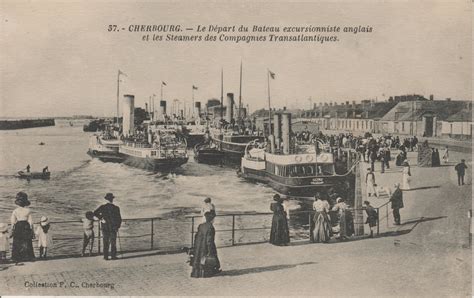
column 461, row 170
column 397, row 203
column 111, row 220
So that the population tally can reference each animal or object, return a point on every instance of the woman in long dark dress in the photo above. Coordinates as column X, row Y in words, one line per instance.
column 205, row 246
column 279, row 234
column 22, row 230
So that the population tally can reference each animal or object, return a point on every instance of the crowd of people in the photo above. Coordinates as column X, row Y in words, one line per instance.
column 23, row 231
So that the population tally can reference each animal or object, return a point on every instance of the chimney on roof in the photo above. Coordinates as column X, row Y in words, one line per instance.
column 448, row 99
column 330, row 104
column 347, row 103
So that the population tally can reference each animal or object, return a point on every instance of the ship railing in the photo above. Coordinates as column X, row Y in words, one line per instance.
column 170, row 235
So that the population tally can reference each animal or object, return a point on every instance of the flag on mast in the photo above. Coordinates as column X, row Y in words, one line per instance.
column 272, row 74
column 122, row 73
column 195, row 88
column 163, row 83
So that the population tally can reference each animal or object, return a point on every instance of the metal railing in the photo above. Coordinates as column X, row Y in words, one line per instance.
column 172, row 234
column 299, row 225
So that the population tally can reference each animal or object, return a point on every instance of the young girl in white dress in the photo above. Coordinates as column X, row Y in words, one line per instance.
column 45, row 238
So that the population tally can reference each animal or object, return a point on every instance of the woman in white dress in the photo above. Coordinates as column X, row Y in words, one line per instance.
column 45, row 238
column 406, row 176
column 370, row 182
column 446, row 155
column 322, row 228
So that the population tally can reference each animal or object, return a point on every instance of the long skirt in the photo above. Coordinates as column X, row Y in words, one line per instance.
column 22, row 247
column 322, row 228
column 279, row 234
column 346, row 224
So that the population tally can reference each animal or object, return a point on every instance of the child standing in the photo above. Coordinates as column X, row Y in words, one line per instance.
column 88, row 225
column 45, row 238
column 372, row 217
column 4, row 243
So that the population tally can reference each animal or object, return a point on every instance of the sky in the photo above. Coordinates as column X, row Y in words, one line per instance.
column 58, row 59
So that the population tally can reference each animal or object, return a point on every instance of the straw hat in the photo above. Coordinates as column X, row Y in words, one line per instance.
column 3, row 227
column 44, row 221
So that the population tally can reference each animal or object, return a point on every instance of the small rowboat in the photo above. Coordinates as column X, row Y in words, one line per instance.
column 34, row 175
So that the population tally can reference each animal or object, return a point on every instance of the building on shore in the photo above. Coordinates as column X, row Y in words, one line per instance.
column 356, row 118
column 420, row 118
column 459, row 125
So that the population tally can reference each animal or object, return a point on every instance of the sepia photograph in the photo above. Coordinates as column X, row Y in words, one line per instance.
column 236, row 148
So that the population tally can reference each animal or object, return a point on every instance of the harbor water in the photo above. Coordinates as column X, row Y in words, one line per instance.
column 78, row 184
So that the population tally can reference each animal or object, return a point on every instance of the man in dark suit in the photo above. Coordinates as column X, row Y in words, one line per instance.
column 461, row 170
column 397, row 203
column 111, row 220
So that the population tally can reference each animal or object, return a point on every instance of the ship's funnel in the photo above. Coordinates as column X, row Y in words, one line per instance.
column 229, row 107
column 286, row 131
column 197, row 109
column 163, row 108
column 128, row 114
column 277, row 129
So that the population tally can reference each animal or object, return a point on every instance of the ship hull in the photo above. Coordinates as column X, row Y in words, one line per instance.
column 106, row 156
column 308, row 186
column 252, row 175
column 155, row 165
column 234, row 150
column 194, row 139
column 208, row 156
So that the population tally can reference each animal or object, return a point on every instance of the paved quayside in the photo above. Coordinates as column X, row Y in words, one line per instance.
column 427, row 252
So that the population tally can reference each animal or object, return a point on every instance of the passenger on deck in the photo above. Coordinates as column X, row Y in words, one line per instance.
column 45, row 170
column 28, row 168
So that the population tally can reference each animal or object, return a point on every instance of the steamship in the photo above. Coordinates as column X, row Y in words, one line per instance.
column 156, row 150
column 291, row 169
column 105, row 148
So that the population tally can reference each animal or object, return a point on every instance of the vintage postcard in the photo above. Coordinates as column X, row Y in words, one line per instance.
column 244, row 148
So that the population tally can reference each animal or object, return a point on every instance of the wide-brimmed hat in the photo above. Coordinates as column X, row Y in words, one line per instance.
column 276, row 197
column 109, row 196
column 207, row 200
column 44, row 221
column 22, row 199
column 3, row 227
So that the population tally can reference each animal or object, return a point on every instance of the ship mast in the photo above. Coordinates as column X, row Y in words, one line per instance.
column 240, row 92
column 222, row 94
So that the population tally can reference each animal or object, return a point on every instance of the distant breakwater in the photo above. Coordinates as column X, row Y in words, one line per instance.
column 27, row 123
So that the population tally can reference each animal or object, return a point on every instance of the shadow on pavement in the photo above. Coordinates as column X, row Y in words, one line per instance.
column 402, row 231
column 236, row 272
column 422, row 187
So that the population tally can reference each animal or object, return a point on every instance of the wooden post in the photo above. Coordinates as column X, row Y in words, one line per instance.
column 233, row 229
column 152, row 233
